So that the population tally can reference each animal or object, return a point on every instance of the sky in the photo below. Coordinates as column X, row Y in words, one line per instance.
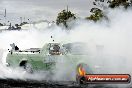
column 42, row 9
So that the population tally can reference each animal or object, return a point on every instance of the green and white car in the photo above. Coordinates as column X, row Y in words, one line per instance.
column 45, row 58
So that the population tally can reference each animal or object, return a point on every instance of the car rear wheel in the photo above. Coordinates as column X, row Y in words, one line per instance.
column 81, row 80
column 26, row 66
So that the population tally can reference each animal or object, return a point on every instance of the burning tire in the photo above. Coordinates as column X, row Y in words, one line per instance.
column 81, row 72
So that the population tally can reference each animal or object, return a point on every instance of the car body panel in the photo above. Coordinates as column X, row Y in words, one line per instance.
column 42, row 58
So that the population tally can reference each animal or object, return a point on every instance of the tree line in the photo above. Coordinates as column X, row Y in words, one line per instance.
column 97, row 13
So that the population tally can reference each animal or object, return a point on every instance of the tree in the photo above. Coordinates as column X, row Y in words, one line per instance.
column 116, row 3
column 64, row 16
column 97, row 14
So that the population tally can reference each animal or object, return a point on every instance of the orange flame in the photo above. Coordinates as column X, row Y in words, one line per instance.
column 81, row 71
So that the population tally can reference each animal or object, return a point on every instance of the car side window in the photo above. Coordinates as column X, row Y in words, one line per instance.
column 54, row 49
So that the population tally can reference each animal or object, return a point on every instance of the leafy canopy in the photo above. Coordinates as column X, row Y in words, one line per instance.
column 96, row 15
column 64, row 16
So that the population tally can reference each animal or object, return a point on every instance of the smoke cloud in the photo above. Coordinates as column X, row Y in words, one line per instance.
column 108, row 45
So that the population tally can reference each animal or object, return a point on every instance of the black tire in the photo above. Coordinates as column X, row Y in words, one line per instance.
column 26, row 66
column 82, row 80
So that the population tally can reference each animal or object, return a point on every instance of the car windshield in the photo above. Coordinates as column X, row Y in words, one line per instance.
column 76, row 48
